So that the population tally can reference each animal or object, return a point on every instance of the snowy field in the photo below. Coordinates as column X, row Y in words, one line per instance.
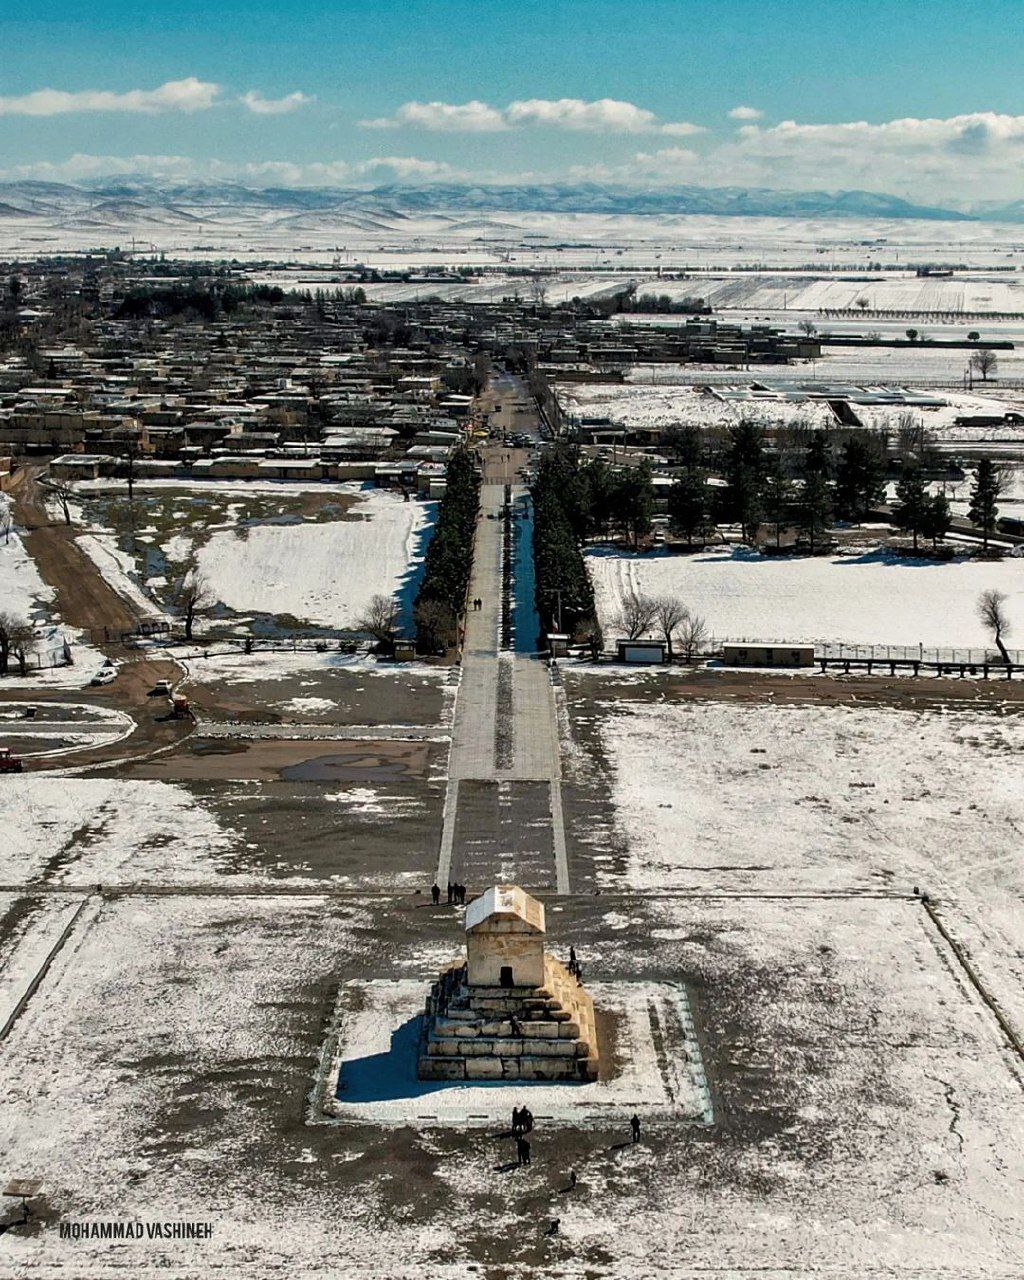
column 860, row 800
column 24, row 594
column 558, row 287
column 867, row 365
column 867, row 1129
column 549, row 241
column 644, row 405
column 22, row 590
column 321, row 573
column 867, row 598
column 792, row 291
column 84, row 831
column 652, row 399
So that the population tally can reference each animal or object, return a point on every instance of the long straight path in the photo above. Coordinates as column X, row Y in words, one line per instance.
column 503, row 814
column 476, row 706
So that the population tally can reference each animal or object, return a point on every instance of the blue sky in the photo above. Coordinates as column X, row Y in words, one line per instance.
column 921, row 97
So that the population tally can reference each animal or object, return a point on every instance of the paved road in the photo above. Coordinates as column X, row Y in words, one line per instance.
column 511, row 407
column 503, row 813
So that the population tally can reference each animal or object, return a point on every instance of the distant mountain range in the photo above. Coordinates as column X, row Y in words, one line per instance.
column 112, row 202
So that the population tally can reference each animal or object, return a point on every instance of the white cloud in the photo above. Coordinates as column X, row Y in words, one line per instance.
column 663, row 167
column 442, row 117
column 174, row 168
column 949, row 162
column 189, row 94
column 745, row 113
column 255, row 102
column 962, row 157
column 603, row 115
column 403, row 168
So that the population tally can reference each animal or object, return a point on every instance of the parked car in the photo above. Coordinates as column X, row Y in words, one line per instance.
column 105, row 675
column 162, row 688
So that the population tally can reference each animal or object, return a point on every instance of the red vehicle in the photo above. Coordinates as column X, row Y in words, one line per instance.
column 9, row 762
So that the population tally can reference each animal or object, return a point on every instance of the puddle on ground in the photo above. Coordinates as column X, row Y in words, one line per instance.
column 347, row 769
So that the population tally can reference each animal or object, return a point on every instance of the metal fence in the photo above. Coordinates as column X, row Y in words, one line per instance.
column 834, row 650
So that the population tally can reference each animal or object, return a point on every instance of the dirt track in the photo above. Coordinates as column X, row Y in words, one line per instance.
column 85, row 600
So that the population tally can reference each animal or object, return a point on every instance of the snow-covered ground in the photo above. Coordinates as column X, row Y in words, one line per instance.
column 812, row 799
column 92, row 830
column 868, row 598
column 321, row 573
column 117, row 568
column 870, row 1123
column 59, row 727
column 551, row 241
column 557, row 288
column 664, row 403
column 22, row 590
column 236, row 667
column 886, row 291
column 24, row 594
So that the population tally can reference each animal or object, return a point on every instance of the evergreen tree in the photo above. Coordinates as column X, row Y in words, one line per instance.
column 818, row 455
column 742, row 500
column 688, row 504
column 860, row 477
column 633, row 502
column 598, row 482
column 778, row 496
column 985, row 493
column 560, row 570
column 814, row 501
column 936, row 521
column 686, row 446
column 912, row 501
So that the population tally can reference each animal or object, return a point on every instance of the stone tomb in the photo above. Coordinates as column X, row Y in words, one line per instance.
column 509, row 1011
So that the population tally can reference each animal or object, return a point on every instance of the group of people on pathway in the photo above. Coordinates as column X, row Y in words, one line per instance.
column 522, row 1124
column 456, row 893
column 478, row 604
column 574, row 966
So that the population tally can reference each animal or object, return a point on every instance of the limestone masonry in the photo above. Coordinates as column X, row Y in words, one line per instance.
column 509, row 1011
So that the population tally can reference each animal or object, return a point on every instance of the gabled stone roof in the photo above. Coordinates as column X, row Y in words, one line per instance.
column 505, row 907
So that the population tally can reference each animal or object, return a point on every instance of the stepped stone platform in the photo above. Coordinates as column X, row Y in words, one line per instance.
column 509, row 1033
column 511, row 1011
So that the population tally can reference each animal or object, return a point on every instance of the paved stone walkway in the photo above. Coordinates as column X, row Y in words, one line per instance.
column 503, row 808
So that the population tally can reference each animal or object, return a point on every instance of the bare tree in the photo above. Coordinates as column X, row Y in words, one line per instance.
column 993, row 617
column 588, row 632
column 693, row 635
column 985, row 362
column 539, row 291
column 194, row 594
column 436, row 626
column 62, row 491
column 808, row 327
column 669, row 612
column 862, row 303
column 380, row 619
column 15, row 637
column 637, row 614
column 23, row 641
